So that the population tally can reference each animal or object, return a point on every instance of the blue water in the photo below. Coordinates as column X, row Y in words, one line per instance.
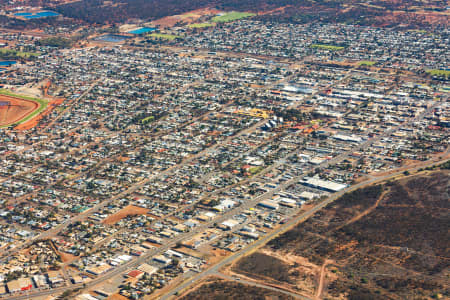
column 7, row 63
column 38, row 15
column 113, row 38
column 142, row 30
column 47, row 14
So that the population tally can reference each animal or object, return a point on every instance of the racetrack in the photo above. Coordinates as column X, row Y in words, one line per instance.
column 16, row 109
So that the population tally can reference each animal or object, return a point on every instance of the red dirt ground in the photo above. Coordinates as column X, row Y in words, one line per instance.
column 129, row 210
column 417, row 17
column 35, row 121
column 17, row 110
column 189, row 17
column 117, row 297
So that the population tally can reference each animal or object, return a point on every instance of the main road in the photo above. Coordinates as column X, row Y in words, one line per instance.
column 252, row 247
column 246, row 205
column 214, row 270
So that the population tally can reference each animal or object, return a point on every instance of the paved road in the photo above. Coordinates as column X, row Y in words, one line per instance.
column 117, row 271
column 215, row 268
column 55, row 230
column 257, row 244
column 246, row 205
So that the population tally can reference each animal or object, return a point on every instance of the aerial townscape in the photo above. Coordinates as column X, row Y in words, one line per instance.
column 224, row 149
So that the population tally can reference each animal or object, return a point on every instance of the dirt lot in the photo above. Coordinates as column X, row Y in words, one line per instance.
column 129, row 210
column 217, row 255
column 282, row 270
column 36, row 119
column 386, row 241
column 66, row 257
column 16, row 110
column 188, row 18
column 117, row 297
column 415, row 18
column 215, row 288
column 264, row 266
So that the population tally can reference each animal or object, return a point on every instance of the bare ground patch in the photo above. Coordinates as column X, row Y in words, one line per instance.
column 130, row 210
column 215, row 288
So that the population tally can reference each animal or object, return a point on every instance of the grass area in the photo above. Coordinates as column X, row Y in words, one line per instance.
column 231, row 16
column 327, row 47
column 4, row 52
column 169, row 37
column 255, row 170
column 439, row 73
column 200, row 25
column 147, row 120
column 58, row 42
column 42, row 105
column 418, row 30
column 366, row 63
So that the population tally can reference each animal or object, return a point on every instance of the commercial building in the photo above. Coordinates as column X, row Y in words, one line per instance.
column 324, row 185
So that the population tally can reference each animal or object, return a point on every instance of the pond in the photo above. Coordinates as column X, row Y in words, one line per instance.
column 143, row 30
column 7, row 63
column 37, row 15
